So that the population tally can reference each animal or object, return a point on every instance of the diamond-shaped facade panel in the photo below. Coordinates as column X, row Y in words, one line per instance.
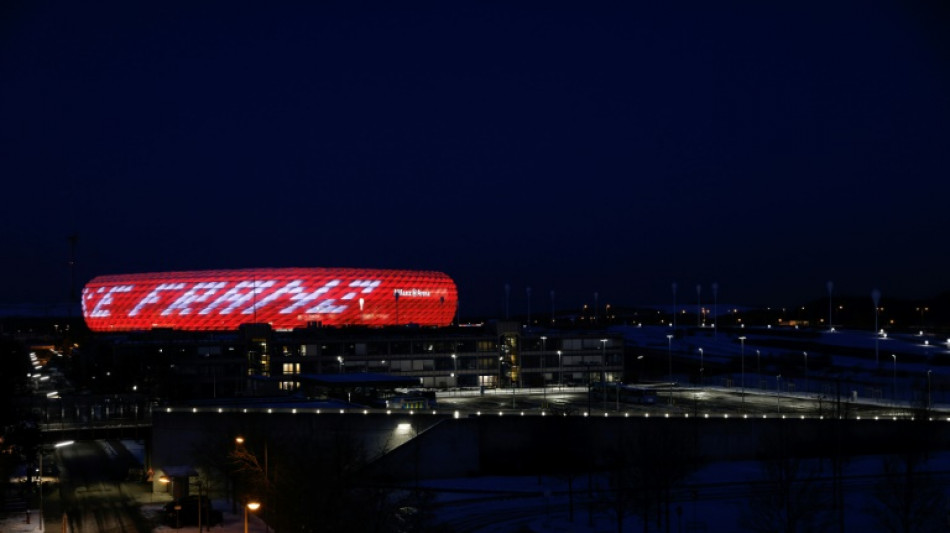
column 285, row 298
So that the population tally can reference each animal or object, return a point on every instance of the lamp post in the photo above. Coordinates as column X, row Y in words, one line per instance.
column 42, row 452
column 238, row 444
column 339, row 359
column 455, row 374
column 700, row 367
column 742, row 368
column 778, row 392
column 674, row 306
column 251, row 506
column 922, row 311
column 715, row 289
column 500, row 370
column 894, row 379
column 876, row 298
column 669, row 357
column 806, row 372
column 201, row 507
column 699, row 305
column 830, row 286
column 560, row 371
column 758, row 366
column 164, row 480
column 544, row 388
column 603, row 370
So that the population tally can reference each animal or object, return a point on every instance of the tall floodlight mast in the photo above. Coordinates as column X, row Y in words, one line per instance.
column 876, row 298
column 830, row 286
column 674, row 305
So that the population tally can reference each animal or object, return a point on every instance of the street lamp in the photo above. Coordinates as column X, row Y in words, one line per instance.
column 251, row 506
column 544, row 388
column 669, row 351
column 603, row 369
column 560, row 371
column 758, row 366
column 806, row 372
column 778, row 392
column 831, row 287
column 238, row 444
column 339, row 359
column 715, row 289
column 455, row 366
column 700, row 367
column 165, row 480
column 500, row 370
column 742, row 367
column 922, row 311
column 674, row 307
column 42, row 452
column 894, row 356
column 876, row 298
column 699, row 305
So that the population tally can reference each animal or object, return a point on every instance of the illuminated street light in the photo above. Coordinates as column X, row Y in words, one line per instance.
column 603, row 370
column 251, row 506
column 455, row 374
column 674, row 309
column 876, row 298
column 806, row 371
column 560, row 371
column 544, row 385
column 922, row 310
column 42, row 453
column 699, row 305
column 700, row 367
column 742, row 367
column 778, row 392
column 894, row 356
column 758, row 365
column 830, row 286
column 669, row 339
column 715, row 289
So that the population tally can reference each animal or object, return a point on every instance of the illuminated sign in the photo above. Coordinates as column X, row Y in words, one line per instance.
column 285, row 298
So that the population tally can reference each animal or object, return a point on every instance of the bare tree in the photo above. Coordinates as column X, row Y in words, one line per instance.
column 645, row 467
column 793, row 497
column 908, row 497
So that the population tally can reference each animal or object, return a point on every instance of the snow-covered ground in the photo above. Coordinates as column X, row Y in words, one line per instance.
column 898, row 367
column 729, row 496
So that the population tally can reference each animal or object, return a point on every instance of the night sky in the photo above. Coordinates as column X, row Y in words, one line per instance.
column 611, row 148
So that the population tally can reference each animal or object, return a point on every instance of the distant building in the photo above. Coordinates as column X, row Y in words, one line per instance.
column 284, row 298
column 215, row 334
column 258, row 360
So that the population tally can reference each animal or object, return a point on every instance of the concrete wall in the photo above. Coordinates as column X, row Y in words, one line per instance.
column 442, row 446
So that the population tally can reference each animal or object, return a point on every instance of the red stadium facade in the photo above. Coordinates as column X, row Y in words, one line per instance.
column 285, row 298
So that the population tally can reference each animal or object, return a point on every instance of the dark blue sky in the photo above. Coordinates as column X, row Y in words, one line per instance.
column 609, row 148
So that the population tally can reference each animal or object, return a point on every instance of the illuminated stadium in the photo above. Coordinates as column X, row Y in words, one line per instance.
column 284, row 298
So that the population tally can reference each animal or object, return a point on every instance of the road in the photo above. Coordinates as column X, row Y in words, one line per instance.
column 692, row 401
column 91, row 494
